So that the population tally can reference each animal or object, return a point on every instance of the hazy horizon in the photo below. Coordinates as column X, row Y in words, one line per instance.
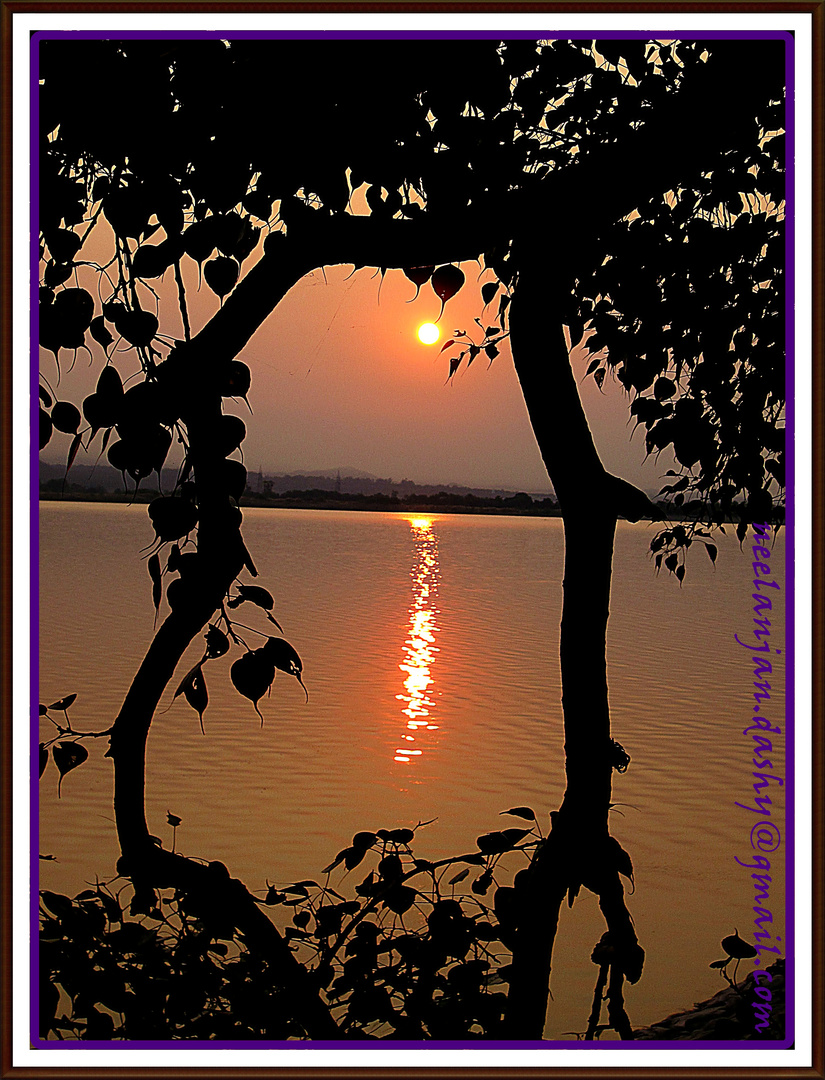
column 338, row 375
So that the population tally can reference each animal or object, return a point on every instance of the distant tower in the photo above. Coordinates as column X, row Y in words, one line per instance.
column 338, row 483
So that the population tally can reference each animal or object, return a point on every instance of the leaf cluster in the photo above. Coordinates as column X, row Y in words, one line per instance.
column 410, row 956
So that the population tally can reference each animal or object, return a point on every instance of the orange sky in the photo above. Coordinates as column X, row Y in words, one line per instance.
column 339, row 378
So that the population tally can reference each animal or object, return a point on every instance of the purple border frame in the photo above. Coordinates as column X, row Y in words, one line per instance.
column 790, row 607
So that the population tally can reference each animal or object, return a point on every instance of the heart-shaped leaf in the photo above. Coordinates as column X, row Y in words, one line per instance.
column 252, row 676
column 67, row 756
column 217, row 643
column 285, row 658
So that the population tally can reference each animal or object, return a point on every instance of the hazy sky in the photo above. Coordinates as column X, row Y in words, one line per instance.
column 339, row 378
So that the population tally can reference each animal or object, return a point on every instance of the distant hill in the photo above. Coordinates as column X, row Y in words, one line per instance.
column 104, row 479
column 344, row 470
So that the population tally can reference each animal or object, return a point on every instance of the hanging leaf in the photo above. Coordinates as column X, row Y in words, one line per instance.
column 252, row 676
column 482, row 883
column 522, row 812
column 253, row 594
column 217, row 643
column 100, row 332
column 193, row 688
column 153, row 566
column 454, row 365
column 489, row 290
column 67, row 756
column 400, row 899
column 460, row 876
column 448, row 344
column 66, row 417
column 73, row 449
column 418, row 275
column 285, row 658
column 712, row 552
column 44, row 758
column 64, row 703
column 221, row 275
column 446, row 281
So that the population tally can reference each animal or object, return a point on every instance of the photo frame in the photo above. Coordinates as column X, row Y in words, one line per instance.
column 801, row 30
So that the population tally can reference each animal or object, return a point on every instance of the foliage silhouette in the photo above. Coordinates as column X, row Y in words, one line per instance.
column 607, row 192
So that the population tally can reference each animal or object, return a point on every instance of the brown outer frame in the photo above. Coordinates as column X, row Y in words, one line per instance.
column 816, row 8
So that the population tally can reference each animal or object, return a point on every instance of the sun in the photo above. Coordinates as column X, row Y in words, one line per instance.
column 428, row 333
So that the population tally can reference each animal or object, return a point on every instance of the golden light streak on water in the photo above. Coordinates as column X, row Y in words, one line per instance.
column 419, row 650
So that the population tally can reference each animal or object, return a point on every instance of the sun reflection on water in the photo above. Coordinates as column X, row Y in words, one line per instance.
column 419, row 649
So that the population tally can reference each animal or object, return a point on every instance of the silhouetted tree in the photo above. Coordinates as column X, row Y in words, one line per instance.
column 629, row 188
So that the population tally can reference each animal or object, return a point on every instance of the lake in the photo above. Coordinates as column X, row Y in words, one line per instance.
column 430, row 655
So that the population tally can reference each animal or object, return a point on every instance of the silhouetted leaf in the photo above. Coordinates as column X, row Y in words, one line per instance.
column 45, row 429
column 217, row 643
column 66, row 417
column 364, row 840
column 171, row 517
column 448, row 344
column 252, row 676
column 418, row 275
column 522, row 812
column 67, row 756
column 353, row 856
column 720, row 963
column 400, row 899
column 481, row 885
column 64, row 703
column 489, row 290
column 221, row 275
column 44, row 758
column 253, row 594
column 73, row 449
column 712, row 552
column 446, row 282
column 153, row 566
column 193, row 688
column 493, row 843
column 460, row 876
column 400, row 836
column 284, row 657
column 737, row 947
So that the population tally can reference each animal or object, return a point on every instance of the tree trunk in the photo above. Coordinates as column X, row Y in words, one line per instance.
column 578, row 848
column 221, row 555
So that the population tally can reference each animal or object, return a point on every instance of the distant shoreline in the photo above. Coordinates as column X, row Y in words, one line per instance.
column 358, row 504
column 519, row 505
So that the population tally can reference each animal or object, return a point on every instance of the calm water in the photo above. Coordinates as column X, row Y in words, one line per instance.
column 430, row 652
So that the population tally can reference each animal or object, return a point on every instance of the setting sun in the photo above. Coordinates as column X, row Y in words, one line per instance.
column 428, row 333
